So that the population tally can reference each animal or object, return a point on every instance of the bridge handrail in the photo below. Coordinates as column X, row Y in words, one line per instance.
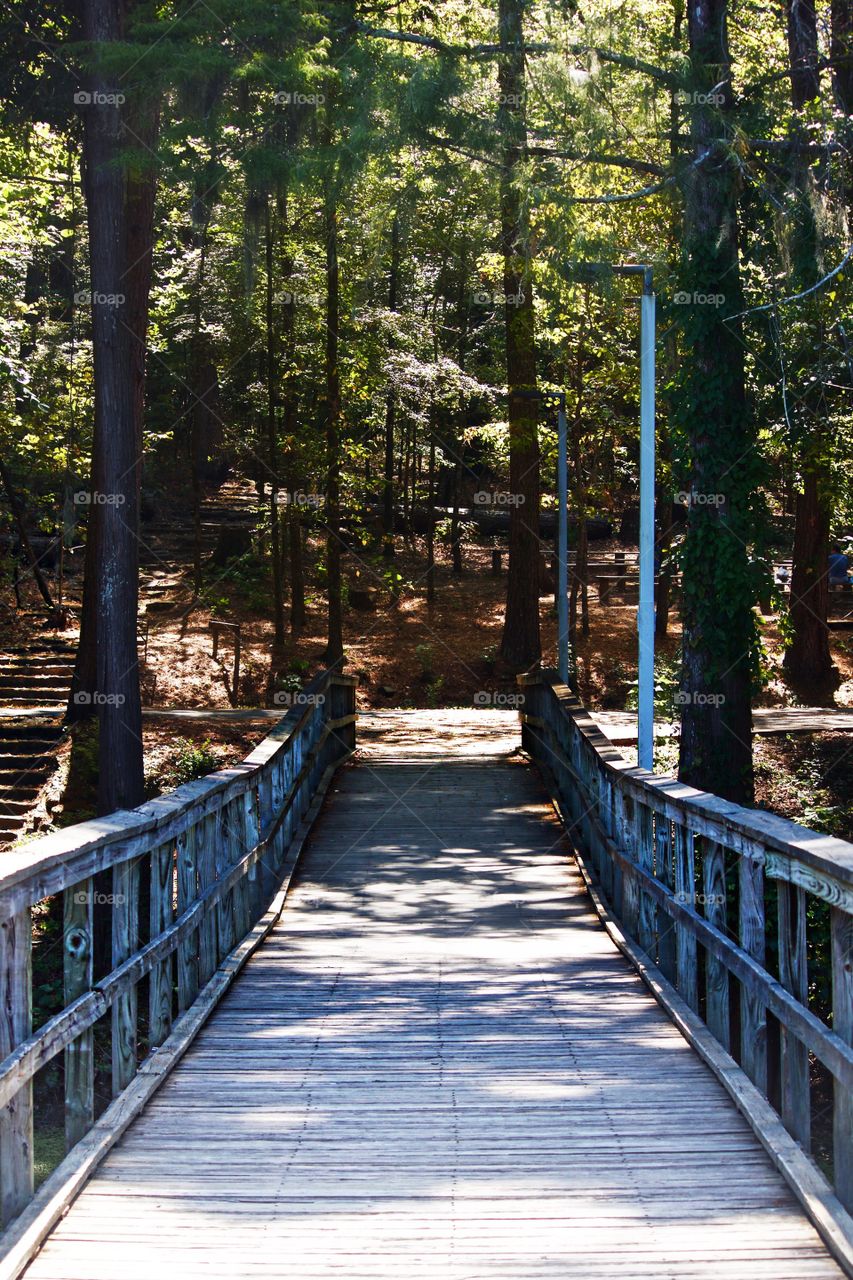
column 202, row 862
column 692, row 879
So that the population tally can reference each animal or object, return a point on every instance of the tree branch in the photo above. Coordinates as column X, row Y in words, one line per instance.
column 623, row 60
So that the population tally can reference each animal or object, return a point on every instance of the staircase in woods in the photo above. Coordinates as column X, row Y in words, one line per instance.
column 167, row 541
column 34, row 683
column 35, row 677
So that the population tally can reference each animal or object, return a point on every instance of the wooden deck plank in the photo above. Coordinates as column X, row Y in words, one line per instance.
column 437, row 1066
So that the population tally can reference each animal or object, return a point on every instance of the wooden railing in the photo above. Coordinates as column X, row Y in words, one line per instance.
column 155, row 903
column 748, row 916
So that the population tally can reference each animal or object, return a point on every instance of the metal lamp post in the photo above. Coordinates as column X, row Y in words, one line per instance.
column 562, row 540
column 646, row 612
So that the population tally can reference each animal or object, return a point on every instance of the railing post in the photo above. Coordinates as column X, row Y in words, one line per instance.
column 277, row 796
column 16, row 1119
column 685, row 939
column 125, row 939
column 716, row 973
column 225, row 926
column 255, row 877
column 77, row 917
column 629, row 907
column 605, row 810
column 188, row 951
column 663, row 871
column 645, row 862
column 234, row 834
column 793, row 974
column 842, row 1025
column 752, row 929
column 615, row 873
column 288, row 773
column 160, row 917
column 208, row 940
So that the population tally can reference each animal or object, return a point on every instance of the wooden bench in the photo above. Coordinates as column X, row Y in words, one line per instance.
column 228, row 631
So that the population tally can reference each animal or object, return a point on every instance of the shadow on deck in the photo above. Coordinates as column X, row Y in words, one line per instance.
column 437, row 1065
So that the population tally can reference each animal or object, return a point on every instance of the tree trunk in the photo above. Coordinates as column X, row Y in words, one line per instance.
column 272, row 438
column 520, row 643
column 297, row 575
column 455, row 537
column 808, row 661
column 200, row 389
column 406, row 455
column 20, row 524
column 119, row 202
column 390, row 407
column 430, row 574
column 841, row 52
column 802, row 51
column 718, row 623
column 81, row 704
column 579, row 591
column 663, row 546
column 335, row 644
column 290, row 429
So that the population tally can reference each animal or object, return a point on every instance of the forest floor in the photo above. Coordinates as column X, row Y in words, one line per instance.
column 407, row 654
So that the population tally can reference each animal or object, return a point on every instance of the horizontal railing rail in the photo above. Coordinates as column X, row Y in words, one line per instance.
column 747, row 915
column 153, row 902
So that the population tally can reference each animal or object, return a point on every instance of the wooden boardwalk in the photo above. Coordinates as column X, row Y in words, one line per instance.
column 437, row 1066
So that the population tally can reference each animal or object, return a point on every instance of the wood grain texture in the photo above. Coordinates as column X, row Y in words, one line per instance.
column 79, row 1056
column 685, row 889
column 125, row 937
column 714, row 910
column 752, row 928
column 16, row 1118
column 842, row 1019
column 793, row 974
column 438, row 1065
column 188, row 890
column 161, row 914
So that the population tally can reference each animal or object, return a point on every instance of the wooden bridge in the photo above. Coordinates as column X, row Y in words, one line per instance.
column 408, row 1017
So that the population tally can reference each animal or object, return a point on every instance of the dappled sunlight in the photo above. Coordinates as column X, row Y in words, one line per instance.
column 438, row 1064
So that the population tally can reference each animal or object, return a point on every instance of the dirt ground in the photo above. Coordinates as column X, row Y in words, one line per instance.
column 407, row 654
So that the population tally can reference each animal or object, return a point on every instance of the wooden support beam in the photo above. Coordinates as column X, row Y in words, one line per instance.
column 752, row 930
column 79, row 1056
column 16, row 1118
column 793, row 974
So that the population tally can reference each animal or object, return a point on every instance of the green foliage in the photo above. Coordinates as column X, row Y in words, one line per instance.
column 185, row 762
column 426, row 657
column 666, row 689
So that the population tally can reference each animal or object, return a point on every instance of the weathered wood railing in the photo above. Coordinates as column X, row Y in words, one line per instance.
column 159, row 896
column 730, row 905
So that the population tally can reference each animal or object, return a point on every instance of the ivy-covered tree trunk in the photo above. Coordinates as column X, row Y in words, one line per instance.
column 520, row 643
column 718, row 621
